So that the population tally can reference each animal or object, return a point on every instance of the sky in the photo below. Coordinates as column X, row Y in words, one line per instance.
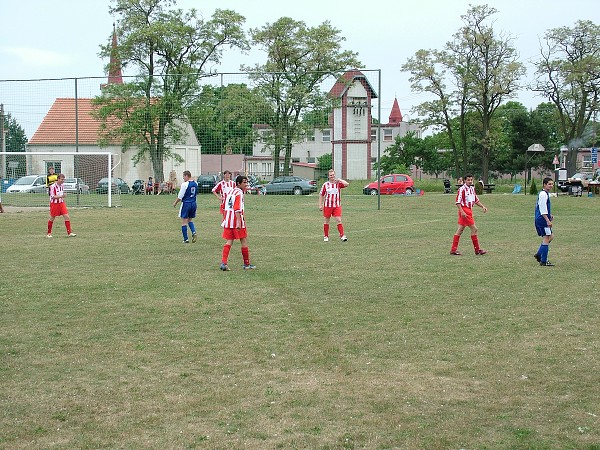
column 62, row 38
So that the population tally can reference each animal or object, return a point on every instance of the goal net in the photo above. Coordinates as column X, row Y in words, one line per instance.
column 86, row 178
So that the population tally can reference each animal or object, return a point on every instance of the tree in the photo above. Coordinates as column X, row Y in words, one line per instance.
column 15, row 140
column 484, row 70
column 568, row 75
column 171, row 50
column 222, row 117
column 299, row 58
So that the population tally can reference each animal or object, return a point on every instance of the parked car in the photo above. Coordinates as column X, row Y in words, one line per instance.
column 75, row 186
column 206, row 183
column 290, row 185
column 118, row 186
column 395, row 183
column 28, row 184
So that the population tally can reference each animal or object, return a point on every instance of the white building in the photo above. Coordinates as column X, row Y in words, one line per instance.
column 351, row 138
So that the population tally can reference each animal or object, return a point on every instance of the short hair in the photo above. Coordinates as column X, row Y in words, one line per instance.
column 61, row 175
column 469, row 175
column 546, row 180
column 226, row 171
column 240, row 179
column 187, row 173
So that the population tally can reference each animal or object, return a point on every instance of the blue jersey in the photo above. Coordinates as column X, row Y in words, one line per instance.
column 542, row 207
column 188, row 191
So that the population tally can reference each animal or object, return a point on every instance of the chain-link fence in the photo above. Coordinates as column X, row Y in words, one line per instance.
column 238, row 121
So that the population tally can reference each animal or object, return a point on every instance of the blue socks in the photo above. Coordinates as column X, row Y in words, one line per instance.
column 543, row 252
column 192, row 227
column 184, row 232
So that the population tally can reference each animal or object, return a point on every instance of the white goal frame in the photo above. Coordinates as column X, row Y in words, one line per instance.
column 35, row 162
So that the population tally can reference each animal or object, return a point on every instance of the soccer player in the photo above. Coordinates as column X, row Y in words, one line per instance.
column 234, row 225
column 50, row 178
column 187, row 211
column 222, row 188
column 58, row 207
column 330, row 204
column 543, row 222
column 465, row 199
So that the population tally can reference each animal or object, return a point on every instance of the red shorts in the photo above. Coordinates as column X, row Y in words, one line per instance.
column 58, row 209
column 234, row 233
column 335, row 211
column 466, row 221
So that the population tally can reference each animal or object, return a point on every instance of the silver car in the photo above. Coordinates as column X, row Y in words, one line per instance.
column 290, row 185
column 75, row 186
column 29, row 184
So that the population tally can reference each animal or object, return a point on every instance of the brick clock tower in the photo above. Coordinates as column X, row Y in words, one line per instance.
column 351, row 125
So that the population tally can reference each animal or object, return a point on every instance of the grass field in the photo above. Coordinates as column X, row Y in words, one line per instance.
column 125, row 338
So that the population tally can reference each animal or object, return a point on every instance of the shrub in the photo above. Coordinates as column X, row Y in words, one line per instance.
column 533, row 190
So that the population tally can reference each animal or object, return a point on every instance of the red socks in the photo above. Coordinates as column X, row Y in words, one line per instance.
column 225, row 256
column 246, row 256
column 455, row 242
column 475, row 243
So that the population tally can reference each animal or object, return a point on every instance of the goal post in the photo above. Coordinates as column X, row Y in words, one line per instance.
column 24, row 178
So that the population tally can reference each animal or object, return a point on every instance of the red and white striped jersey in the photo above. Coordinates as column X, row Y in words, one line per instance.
column 331, row 194
column 234, row 203
column 56, row 189
column 466, row 196
column 224, row 187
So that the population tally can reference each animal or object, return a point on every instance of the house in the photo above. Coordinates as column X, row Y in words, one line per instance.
column 70, row 126
column 64, row 130
column 352, row 137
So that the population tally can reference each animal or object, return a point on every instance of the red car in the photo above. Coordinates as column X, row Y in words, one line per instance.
column 395, row 183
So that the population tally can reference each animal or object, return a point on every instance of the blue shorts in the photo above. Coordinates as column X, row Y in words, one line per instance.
column 187, row 210
column 542, row 228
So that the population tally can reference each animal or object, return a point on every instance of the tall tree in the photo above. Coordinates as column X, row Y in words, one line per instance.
column 171, row 50
column 483, row 68
column 299, row 58
column 222, row 117
column 568, row 75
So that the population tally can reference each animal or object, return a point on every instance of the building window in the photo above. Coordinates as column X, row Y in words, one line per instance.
column 373, row 134
column 586, row 163
column 326, row 136
column 310, row 136
column 387, row 134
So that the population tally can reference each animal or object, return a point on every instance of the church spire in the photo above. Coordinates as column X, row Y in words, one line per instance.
column 395, row 115
column 115, row 76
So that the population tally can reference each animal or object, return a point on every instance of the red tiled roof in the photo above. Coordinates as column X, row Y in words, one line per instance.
column 345, row 82
column 58, row 126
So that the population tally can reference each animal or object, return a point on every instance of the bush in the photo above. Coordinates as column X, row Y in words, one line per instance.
column 533, row 190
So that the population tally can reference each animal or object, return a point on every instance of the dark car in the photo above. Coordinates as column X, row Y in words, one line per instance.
column 395, row 183
column 290, row 185
column 206, row 183
column 118, row 186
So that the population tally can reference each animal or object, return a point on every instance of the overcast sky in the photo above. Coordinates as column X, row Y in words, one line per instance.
column 61, row 39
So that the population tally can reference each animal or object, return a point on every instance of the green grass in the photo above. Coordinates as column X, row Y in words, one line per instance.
column 124, row 338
